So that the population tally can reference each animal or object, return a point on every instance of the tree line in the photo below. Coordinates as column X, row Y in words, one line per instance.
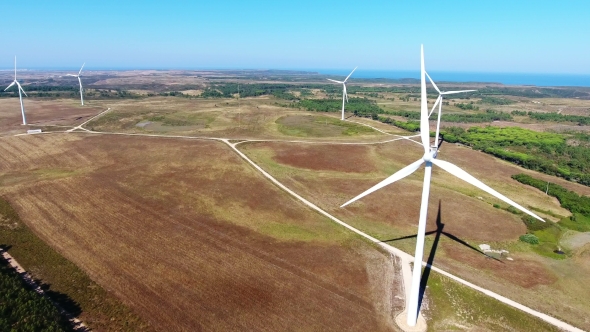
column 23, row 309
column 567, row 199
column 549, row 153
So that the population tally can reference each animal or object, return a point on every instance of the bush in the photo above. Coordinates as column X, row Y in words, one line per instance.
column 529, row 238
column 513, row 210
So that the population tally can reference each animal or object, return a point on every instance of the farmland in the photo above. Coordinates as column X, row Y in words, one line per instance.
column 193, row 258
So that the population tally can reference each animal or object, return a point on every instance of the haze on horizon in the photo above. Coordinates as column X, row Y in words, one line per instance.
column 462, row 36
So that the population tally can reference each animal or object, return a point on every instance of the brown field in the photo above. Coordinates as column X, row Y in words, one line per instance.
column 339, row 158
column 40, row 113
column 466, row 212
column 191, row 238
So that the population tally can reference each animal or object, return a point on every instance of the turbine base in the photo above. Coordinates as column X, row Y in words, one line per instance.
column 402, row 322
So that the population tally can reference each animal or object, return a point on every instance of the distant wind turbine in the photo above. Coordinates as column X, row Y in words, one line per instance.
column 429, row 158
column 79, row 80
column 344, row 94
column 22, row 107
column 439, row 102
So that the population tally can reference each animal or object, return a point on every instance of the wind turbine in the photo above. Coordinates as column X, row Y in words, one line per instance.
column 428, row 159
column 79, row 80
column 344, row 94
column 22, row 107
column 439, row 102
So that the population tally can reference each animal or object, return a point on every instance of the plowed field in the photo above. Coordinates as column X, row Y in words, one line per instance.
column 191, row 238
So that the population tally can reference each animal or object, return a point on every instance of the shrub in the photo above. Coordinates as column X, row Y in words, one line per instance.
column 529, row 238
column 513, row 210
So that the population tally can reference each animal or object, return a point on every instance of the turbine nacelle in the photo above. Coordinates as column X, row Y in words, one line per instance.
column 429, row 156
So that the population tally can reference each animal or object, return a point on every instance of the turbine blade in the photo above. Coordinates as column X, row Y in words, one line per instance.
column 80, row 72
column 346, row 79
column 433, row 84
column 435, row 104
column 424, row 126
column 461, row 174
column 345, row 93
column 11, row 84
column 15, row 67
column 73, row 75
column 335, row 81
column 453, row 92
column 402, row 173
column 21, row 88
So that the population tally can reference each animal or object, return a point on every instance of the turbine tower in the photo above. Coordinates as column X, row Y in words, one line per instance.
column 22, row 107
column 344, row 94
column 429, row 159
column 79, row 80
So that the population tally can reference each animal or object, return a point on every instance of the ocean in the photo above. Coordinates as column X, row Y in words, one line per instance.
column 440, row 76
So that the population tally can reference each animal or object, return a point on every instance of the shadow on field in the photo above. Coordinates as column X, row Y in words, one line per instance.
column 439, row 230
column 63, row 300
column 4, row 247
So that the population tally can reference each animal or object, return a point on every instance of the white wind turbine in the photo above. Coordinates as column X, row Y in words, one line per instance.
column 439, row 102
column 428, row 159
column 79, row 80
column 22, row 107
column 344, row 94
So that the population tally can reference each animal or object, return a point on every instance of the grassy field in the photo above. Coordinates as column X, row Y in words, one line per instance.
column 189, row 237
column 320, row 126
column 329, row 175
column 254, row 118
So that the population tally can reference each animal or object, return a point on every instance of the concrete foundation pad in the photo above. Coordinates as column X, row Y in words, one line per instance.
column 402, row 321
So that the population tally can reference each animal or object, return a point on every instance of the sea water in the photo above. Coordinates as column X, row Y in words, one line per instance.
column 537, row 79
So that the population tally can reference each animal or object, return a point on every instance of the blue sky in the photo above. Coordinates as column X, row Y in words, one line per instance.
column 473, row 36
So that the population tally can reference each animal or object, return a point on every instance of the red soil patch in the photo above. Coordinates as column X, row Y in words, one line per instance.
column 341, row 158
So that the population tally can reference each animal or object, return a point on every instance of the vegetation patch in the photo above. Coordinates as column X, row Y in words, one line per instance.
column 578, row 205
column 549, row 153
column 359, row 106
column 495, row 100
column 456, row 307
column 543, row 236
column 320, row 126
column 555, row 117
column 23, row 309
column 529, row 238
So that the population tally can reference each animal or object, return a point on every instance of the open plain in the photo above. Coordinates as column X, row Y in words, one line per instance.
column 149, row 201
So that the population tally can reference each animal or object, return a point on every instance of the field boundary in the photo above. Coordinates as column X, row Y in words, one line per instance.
column 77, row 324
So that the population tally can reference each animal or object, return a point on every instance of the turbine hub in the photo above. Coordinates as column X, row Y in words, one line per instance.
column 427, row 157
